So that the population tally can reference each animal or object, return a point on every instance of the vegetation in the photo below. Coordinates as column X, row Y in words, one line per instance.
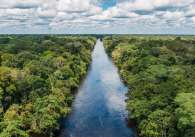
column 38, row 77
column 160, row 74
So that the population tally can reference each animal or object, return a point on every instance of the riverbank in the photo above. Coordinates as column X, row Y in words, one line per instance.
column 38, row 77
column 159, row 72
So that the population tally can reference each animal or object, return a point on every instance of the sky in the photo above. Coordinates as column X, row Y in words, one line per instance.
column 97, row 16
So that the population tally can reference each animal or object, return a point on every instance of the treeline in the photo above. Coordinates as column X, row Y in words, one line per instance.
column 160, row 74
column 38, row 78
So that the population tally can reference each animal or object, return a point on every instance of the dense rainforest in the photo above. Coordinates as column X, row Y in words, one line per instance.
column 38, row 77
column 160, row 74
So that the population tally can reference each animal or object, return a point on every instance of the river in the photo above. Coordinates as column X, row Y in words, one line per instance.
column 99, row 107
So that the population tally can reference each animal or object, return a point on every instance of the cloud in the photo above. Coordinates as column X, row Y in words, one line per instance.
column 147, row 5
column 46, row 13
column 5, row 4
column 127, row 16
column 190, row 11
column 23, row 4
column 193, row 19
column 74, row 5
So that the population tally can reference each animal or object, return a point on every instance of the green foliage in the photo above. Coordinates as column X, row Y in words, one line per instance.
column 38, row 76
column 12, row 125
column 156, row 125
column 186, row 113
column 160, row 74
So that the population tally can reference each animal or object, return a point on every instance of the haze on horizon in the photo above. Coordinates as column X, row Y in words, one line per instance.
column 97, row 16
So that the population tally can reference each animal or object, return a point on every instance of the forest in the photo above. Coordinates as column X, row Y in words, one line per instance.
column 39, row 75
column 160, row 74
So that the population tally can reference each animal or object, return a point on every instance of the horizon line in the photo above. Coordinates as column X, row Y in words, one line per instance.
column 97, row 34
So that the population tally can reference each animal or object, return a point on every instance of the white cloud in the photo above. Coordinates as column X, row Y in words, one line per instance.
column 193, row 19
column 190, row 11
column 177, row 15
column 153, row 4
column 74, row 5
column 46, row 13
column 113, row 13
column 23, row 4
column 88, row 14
column 6, row 3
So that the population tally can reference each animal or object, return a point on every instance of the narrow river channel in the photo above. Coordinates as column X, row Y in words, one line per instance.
column 99, row 107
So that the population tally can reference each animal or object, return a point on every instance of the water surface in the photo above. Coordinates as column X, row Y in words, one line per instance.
column 99, row 107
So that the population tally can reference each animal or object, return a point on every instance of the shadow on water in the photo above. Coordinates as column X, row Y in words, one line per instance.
column 99, row 107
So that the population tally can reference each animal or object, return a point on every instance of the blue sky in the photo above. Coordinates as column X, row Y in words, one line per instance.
column 97, row 16
column 105, row 4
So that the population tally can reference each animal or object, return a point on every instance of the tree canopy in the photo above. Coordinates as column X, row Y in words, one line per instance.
column 160, row 74
column 38, row 78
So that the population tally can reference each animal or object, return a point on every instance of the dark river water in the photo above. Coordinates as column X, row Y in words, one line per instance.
column 99, row 107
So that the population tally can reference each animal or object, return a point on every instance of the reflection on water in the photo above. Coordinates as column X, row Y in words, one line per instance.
column 99, row 107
